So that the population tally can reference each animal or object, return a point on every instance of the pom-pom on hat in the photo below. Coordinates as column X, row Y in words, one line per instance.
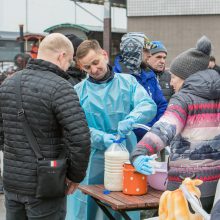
column 192, row 60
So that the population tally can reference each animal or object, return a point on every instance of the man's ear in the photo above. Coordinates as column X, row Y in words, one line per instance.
column 105, row 54
column 60, row 56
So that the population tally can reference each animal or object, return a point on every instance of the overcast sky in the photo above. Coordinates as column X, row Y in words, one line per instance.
column 42, row 14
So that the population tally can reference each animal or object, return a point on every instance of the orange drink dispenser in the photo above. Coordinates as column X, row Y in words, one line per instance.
column 134, row 183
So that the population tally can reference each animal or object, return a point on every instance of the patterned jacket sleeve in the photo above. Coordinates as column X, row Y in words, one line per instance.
column 162, row 133
column 75, row 130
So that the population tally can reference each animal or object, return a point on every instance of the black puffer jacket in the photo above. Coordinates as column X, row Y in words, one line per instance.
column 164, row 81
column 75, row 75
column 56, row 119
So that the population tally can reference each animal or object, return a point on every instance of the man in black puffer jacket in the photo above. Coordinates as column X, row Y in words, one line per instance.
column 58, row 123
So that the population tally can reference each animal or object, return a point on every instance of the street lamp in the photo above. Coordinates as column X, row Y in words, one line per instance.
column 26, row 15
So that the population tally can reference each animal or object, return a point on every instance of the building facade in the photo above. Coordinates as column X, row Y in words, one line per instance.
column 9, row 47
column 177, row 23
column 90, row 32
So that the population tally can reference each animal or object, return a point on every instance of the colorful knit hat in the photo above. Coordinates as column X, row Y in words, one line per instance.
column 157, row 47
column 131, row 48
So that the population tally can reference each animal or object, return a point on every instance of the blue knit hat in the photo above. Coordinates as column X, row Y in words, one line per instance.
column 157, row 47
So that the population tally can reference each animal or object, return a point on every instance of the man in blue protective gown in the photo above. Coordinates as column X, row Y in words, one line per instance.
column 112, row 104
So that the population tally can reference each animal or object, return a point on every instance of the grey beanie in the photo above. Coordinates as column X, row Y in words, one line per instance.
column 192, row 60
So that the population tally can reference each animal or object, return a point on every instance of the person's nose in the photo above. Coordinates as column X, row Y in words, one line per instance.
column 93, row 69
column 162, row 60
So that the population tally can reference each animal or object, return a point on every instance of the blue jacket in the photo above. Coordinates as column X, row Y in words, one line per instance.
column 148, row 80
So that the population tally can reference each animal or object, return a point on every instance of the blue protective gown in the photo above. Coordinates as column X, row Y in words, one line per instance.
column 105, row 105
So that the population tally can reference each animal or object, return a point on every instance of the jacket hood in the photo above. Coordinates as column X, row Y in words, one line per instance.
column 205, row 84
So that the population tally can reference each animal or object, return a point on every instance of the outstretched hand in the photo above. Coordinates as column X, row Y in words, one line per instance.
column 142, row 165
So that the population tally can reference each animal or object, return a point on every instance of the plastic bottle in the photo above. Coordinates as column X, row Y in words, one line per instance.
column 115, row 156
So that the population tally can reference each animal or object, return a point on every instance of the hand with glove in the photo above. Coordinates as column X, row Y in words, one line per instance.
column 125, row 126
column 142, row 165
column 108, row 139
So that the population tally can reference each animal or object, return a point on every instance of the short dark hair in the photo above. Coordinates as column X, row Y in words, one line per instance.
column 86, row 46
column 212, row 58
column 75, row 40
column 24, row 58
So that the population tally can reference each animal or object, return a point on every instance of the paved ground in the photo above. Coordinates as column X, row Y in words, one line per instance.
column 2, row 207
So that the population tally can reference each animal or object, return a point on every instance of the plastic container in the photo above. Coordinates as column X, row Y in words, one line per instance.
column 115, row 156
column 158, row 180
column 134, row 183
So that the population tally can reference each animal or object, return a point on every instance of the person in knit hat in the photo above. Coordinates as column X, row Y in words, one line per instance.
column 156, row 63
column 190, row 125
column 75, row 74
column 134, row 49
column 132, row 46
column 158, row 47
column 190, row 62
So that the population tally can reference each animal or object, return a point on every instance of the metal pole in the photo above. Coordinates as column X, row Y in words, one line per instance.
column 21, row 28
column 88, row 12
column 107, row 28
column 26, row 19
column 75, row 10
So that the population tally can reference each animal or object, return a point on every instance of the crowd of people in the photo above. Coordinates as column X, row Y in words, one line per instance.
column 76, row 102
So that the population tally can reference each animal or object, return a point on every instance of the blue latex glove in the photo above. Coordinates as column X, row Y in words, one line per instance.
column 108, row 139
column 125, row 126
column 142, row 165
